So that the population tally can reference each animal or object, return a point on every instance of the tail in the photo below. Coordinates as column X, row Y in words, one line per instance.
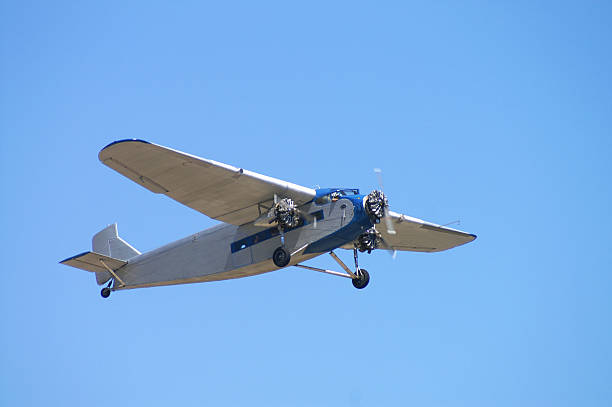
column 116, row 252
column 108, row 242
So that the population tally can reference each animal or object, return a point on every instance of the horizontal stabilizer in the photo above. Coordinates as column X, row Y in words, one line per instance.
column 91, row 261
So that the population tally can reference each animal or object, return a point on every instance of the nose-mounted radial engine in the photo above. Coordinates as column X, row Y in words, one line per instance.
column 376, row 204
column 284, row 214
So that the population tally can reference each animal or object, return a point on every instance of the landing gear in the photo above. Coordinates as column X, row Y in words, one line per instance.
column 106, row 292
column 362, row 280
column 281, row 257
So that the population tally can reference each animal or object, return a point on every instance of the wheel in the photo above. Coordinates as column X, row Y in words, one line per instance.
column 281, row 257
column 105, row 292
column 362, row 280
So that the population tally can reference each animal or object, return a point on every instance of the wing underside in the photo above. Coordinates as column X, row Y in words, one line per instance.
column 416, row 235
column 229, row 194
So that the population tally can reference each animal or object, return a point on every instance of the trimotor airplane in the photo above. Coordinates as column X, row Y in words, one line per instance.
column 267, row 224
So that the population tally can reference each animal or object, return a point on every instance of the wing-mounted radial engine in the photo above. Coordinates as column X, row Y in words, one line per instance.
column 368, row 241
column 285, row 213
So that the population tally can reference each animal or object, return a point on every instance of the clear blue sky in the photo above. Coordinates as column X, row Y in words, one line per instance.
column 495, row 113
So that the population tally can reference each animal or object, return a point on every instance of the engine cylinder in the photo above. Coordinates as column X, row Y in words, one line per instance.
column 375, row 204
column 286, row 213
column 368, row 241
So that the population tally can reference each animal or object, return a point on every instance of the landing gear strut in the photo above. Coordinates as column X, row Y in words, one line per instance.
column 281, row 257
column 360, row 278
column 363, row 278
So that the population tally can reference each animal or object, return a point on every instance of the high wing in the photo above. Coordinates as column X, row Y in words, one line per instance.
column 417, row 235
column 223, row 192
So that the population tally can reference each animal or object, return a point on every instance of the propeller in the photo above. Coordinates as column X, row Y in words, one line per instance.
column 286, row 213
column 370, row 240
column 386, row 215
column 377, row 207
column 388, row 248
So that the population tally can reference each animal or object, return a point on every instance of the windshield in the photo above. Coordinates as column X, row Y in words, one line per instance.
column 335, row 195
column 346, row 192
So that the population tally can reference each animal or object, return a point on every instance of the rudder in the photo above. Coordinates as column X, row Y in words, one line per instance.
column 108, row 242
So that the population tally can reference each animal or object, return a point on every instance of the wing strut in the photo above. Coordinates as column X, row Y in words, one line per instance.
column 110, row 270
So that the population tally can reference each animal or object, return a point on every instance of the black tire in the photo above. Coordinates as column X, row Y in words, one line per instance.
column 105, row 293
column 362, row 280
column 281, row 257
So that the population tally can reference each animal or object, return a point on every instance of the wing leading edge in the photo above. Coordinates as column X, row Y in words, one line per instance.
column 417, row 235
column 220, row 191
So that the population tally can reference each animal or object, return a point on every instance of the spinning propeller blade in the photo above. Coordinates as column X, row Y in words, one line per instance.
column 386, row 247
column 386, row 216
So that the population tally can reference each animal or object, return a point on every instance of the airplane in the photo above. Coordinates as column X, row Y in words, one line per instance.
column 267, row 224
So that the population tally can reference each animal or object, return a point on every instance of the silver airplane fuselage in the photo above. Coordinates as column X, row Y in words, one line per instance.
column 228, row 251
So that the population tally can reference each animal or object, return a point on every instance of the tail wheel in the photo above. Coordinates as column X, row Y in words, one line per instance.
column 362, row 280
column 106, row 292
column 281, row 257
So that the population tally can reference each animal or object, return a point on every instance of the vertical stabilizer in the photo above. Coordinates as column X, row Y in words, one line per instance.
column 108, row 242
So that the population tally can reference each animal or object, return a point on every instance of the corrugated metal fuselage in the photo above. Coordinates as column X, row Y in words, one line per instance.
column 228, row 251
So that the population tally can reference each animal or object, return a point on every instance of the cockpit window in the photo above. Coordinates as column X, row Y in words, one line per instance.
column 335, row 195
